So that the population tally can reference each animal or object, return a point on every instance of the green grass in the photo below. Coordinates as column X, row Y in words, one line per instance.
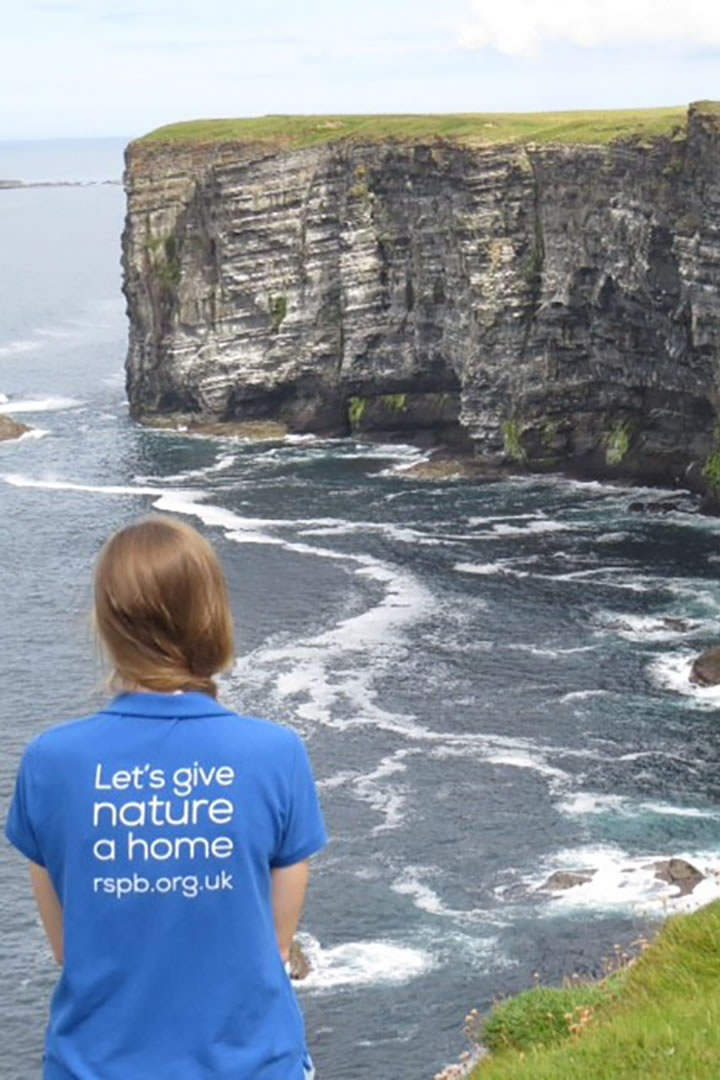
column 469, row 128
column 657, row 1020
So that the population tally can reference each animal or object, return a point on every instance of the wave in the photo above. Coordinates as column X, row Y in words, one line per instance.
column 647, row 627
column 36, row 405
column 18, row 480
column 535, row 527
column 225, row 461
column 553, row 654
column 360, row 963
column 622, row 881
column 386, row 799
column 410, row 882
column 14, row 347
column 602, row 577
column 585, row 802
column 335, row 527
column 599, row 576
column 671, row 671
column 518, row 760
column 503, row 567
column 582, row 695
column 32, row 435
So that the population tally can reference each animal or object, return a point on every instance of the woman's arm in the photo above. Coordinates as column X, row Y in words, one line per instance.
column 289, row 884
column 49, row 908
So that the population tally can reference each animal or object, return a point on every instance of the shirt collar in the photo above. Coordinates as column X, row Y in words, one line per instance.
column 190, row 703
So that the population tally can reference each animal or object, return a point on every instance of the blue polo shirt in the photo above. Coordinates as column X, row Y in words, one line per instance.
column 159, row 821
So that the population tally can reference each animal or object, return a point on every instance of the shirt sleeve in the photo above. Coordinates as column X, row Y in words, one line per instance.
column 21, row 825
column 304, row 831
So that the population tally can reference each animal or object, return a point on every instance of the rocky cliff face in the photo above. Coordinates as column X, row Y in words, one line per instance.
column 553, row 305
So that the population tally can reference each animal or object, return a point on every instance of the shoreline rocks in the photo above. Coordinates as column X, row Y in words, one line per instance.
column 11, row 429
column 705, row 670
column 298, row 963
column 567, row 879
column 680, row 873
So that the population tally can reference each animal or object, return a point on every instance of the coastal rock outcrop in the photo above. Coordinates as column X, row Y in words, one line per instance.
column 679, row 872
column 561, row 880
column 298, row 963
column 705, row 670
column 11, row 429
column 547, row 306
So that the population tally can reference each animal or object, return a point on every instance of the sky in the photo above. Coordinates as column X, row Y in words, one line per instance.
column 80, row 68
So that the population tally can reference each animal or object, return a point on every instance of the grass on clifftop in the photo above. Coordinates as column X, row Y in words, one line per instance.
column 657, row 1020
column 469, row 128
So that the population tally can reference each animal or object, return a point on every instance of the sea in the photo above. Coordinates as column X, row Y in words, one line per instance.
column 492, row 678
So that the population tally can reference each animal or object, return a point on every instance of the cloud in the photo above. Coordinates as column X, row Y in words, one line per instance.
column 523, row 27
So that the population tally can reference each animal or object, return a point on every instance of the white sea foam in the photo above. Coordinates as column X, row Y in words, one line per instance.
column 623, row 882
column 298, row 440
column 336, row 527
column 404, row 466
column 671, row 671
column 302, row 670
column 582, row 695
column 361, row 963
column 340, row 664
column 600, row 576
column 533, row 527
column 647, row 627
column 387, row 799
column 413, row 882
column 36, row 405
column 612, row 537
column 32, row 434
column 518, row 760
column 539, row 650
column 585, row 802
column 696, row 593
column 488, row 518
column 18, row 480
column 14, row 347
column 603, row 576
column 502, row 567
column 225, row 461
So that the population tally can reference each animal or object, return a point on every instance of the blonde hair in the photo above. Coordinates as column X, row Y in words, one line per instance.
column 162, row 608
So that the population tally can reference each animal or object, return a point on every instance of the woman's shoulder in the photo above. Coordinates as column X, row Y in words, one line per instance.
column 63, row 735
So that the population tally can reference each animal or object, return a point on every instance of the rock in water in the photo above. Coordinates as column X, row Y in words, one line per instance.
column 11, row 429
column 299, row 964
column 679, row 872
column 706, row 669
column 658, row 506
column 567, row 879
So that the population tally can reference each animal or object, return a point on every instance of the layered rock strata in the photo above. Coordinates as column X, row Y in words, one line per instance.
column 553, row 306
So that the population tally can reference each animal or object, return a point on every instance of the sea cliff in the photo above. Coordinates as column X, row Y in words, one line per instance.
column 544, row 294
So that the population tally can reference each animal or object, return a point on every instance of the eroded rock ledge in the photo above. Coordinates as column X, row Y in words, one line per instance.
column 548, row 306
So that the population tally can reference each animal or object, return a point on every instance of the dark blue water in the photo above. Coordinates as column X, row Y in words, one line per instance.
column 482, row 671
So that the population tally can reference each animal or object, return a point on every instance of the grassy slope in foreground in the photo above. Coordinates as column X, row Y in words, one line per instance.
column 470, row 128
column 659, row 1019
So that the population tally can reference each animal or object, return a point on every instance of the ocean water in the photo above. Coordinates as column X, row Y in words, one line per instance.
column 484, row 673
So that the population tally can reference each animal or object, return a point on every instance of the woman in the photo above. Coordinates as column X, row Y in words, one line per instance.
column 168, row 839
